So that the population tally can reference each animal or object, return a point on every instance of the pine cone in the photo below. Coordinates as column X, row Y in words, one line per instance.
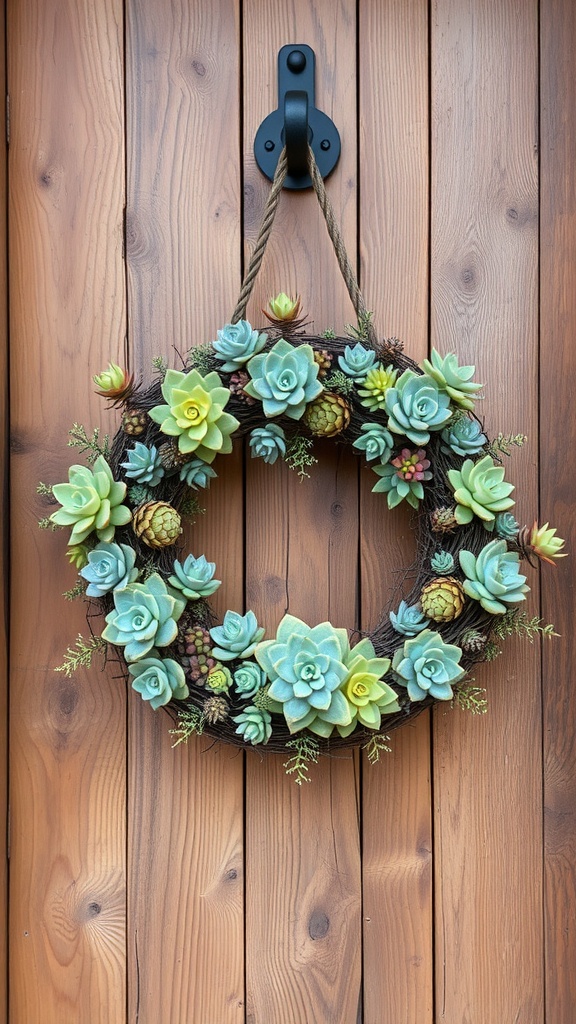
column 134, row 421
column 473, row 642
column 157, row 524
column 171, row 457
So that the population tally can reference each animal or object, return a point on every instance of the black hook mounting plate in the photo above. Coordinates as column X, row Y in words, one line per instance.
column 296, row 122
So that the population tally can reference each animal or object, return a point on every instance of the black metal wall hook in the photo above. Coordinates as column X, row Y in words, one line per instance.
column 297, row 122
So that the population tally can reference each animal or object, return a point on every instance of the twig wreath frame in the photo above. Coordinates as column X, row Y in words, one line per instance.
column 308, row 689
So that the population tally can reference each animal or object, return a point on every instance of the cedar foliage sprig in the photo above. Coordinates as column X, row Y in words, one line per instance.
column 91, row 446
column 469, row 698
column 339, row 382
column 307, row 750
column 299, row 454
column 190, row 723
column 78, row 590
column 375, row 746
column 362, row 331
column 81, row 654
column 503, row 444
column 517, row 623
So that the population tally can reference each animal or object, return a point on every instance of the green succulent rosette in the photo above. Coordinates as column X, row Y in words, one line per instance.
column 408, row 619
column 158, row 680
column 375, row 441
column 254, row 725
column 109, row 567
column 305, row 666
column 194, row 413
column 453, row 379
column 144, row 465
column 427, row 666
column 480, row 490
column 267, row 443
column 91, row 502
column 284, row 379
column 237, row 636
column 367, row 695
column 145, row 615
column 236, row 344
column 356, row 361
column 416, row 406
column 194, row 578
column 464, row 437
column 493, row 578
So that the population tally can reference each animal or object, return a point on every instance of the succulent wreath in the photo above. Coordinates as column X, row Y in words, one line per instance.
column 310, row 688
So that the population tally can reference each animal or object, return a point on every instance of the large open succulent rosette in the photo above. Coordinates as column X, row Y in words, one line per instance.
column 325, row 686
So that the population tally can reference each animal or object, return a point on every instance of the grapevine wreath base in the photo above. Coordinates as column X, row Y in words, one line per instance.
column 310, row 686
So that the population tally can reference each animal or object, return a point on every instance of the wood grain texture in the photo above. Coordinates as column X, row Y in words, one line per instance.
column 67, row 784
column 303, row 958
column 4, row 547
column 557, row 431
column 183, row 258
column 394, row 233
column 484, row 251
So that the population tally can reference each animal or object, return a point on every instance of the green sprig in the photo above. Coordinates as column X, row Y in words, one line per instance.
column 201, row 358
column 299, row 454
column 339, row 382
column 191, row 508
column 160, row 364
column 47, row 524
column 470, row 698
column 81, row 654
column 375, row 746
column 92, row 446
column 78, row 590
column 517, row 623
column 362, row 331
column 190, row 723
column 307, row 751
column 503, row 444
column 45, row 489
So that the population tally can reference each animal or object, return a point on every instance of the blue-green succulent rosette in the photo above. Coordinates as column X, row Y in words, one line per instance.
column 417, row 439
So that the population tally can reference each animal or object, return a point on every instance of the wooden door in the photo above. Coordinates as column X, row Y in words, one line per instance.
column 198, row 885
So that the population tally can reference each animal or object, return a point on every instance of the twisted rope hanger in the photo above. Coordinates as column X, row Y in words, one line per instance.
column 335, row 236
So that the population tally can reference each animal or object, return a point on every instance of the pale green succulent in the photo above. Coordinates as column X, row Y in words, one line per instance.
column 158, row 680
column 197, row 474
column 145, row 615
column 267, row 442
column 284, row 379
column 110, row 567
column 91, row 502
column 408, row 619
column 254, row 725
column 144, row 465
column 236, row 637
column 463, row 436
column 194, row 578
column 367, row 695
column 506, row 525
column 480, row 489
column 356, row 361
column 236, row 344
column 194, row 413
column 427, row 666
column 248, row 679
column 416, row 406
column 442, row 562
column 453, row 379
column 492, row 578
column 305, row 666
column 375, row 441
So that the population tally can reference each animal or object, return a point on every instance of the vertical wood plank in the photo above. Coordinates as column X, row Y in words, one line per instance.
column 4, row 544
column 302, row 852
column 67, row 787
column 487, row 772
column 558, row 428
column 394, row 228
column 183, row 254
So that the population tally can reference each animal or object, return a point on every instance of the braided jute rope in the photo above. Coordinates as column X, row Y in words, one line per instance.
column 335, row 237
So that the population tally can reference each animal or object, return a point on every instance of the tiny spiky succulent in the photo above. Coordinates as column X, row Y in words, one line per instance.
column 157, row 524
column 114, row 384
column 443, row 519
column 376, row 385
column 542, row 542
column 216, row 709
